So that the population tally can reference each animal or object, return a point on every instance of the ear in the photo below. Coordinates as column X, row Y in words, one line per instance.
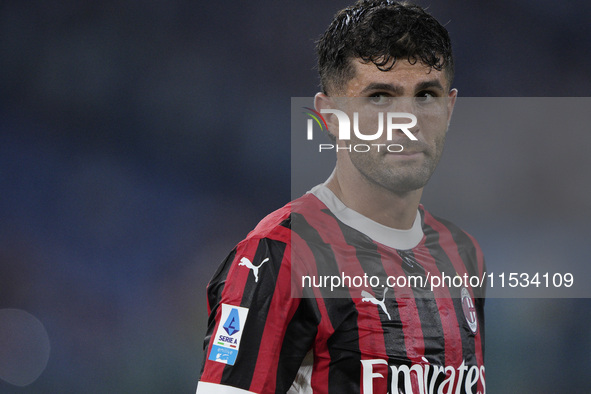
column 453, row 94
column 322, row 101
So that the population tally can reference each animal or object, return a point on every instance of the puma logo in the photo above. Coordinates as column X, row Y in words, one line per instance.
column 255, row 268
column 369, row 298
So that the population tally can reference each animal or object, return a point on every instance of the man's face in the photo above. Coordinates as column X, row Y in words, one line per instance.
column 411, row 88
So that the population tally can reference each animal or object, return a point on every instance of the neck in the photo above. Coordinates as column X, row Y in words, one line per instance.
column 391, row 209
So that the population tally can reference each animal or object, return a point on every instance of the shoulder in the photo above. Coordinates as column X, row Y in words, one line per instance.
column 443, row 234
column 448, row 241
column 278, row 224
column 446, row 230
column 271, row 239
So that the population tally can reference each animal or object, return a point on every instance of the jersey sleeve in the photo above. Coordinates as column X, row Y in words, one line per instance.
column 258, row 333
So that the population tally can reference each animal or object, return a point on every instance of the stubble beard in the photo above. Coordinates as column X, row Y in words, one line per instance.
column 400, row 178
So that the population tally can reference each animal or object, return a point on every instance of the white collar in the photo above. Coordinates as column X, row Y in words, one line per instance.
column 392, row 237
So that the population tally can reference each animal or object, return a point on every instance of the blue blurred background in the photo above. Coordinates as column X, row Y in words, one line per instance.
column 140, row 140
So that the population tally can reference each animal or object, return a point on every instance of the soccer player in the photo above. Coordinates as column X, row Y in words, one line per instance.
column 274, row 325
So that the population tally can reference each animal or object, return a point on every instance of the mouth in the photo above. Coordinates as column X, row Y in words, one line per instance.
column 407, row 153
column 410, row 150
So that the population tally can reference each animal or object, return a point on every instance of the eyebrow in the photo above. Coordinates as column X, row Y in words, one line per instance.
column 386, row 87
column 434, row 83
column 397, row 90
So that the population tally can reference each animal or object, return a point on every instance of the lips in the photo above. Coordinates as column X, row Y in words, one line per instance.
column 408, row 153
column 410, row 149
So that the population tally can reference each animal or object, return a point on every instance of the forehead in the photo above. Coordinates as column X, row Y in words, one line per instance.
column 407, row 77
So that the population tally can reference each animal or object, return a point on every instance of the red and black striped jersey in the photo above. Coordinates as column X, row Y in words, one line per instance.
column 279, row 322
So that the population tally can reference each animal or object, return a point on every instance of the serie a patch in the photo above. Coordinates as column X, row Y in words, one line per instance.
column 226, row 342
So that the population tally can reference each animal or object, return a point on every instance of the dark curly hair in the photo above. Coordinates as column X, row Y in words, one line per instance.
column 381, row 31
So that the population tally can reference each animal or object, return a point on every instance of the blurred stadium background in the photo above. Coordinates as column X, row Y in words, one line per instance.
column 139, row 141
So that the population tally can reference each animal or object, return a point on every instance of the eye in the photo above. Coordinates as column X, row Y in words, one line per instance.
column 380, row 99
column 425, row 97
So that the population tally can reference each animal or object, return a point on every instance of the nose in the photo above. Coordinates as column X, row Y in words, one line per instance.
column 404, row 119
